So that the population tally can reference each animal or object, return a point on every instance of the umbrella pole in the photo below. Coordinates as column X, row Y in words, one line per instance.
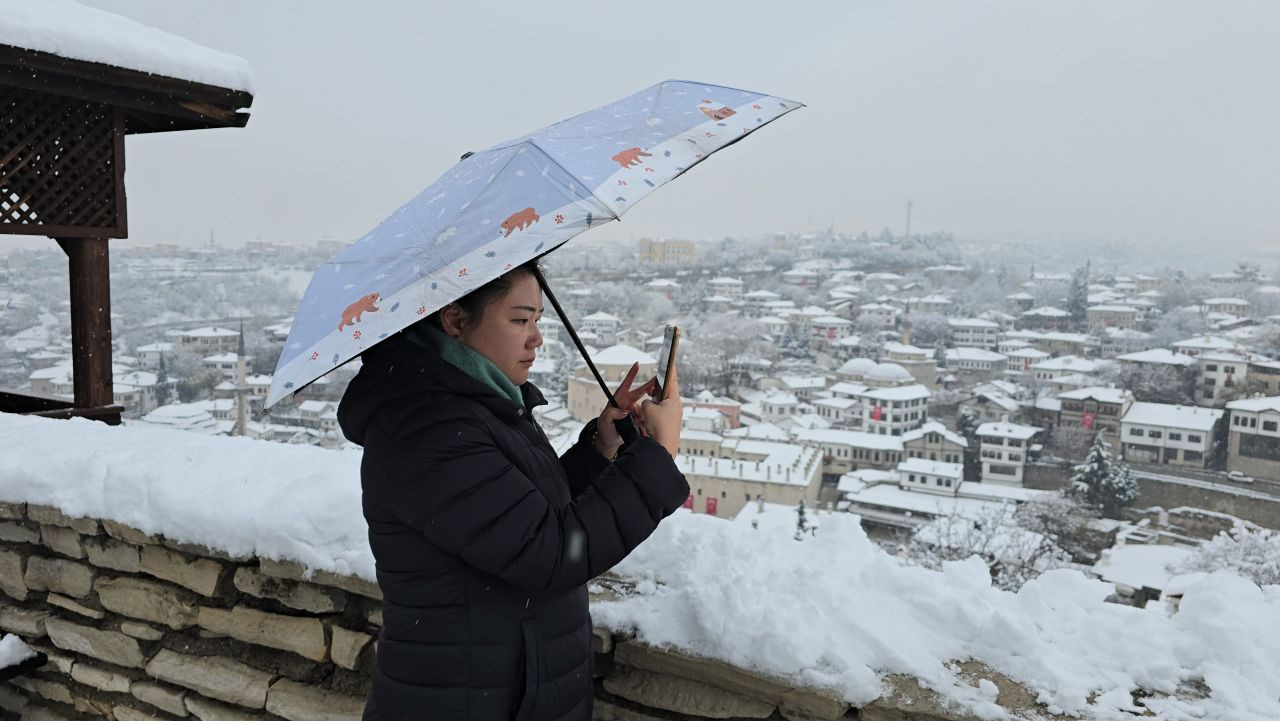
column 626, row 428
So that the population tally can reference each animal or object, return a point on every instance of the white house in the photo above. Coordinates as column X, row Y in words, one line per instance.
column 224, row 363
column 1168, row 434
column 149, row 355
column 826, row 330
column 919, row 474
column 1063, row 365
column 1234, row 306
column 605, row 326
column 894, row 410
column 1020, row 360
column 974, row 333
column 1217, row 373
column 881, row 314
column 210, row 340
column 1004, row 451
column 1254, row 446
column 976, row 361
column 730, row 288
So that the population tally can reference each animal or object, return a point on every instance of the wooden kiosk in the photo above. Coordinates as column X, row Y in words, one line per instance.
column 62, row 128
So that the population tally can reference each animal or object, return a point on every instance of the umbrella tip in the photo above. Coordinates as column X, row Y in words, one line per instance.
column 466, row 155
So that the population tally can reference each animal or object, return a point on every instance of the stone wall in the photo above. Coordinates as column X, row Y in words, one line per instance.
column 141, row 628
column 1265, row 513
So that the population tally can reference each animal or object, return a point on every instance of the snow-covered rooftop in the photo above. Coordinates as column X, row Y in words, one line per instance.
column 1170, row 416
column 935, row 468
column 1137, row 566
column 1005, row 429
column 856, row 439
column 1158, row 355
column 71, row 30
column 1255, row 405
column 622, row 355
column 1097, row 393
column 934, row 427
column 898, row 393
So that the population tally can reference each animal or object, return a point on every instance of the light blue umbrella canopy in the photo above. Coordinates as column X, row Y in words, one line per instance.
column 501, row 207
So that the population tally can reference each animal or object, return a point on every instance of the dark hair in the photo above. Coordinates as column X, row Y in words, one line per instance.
column 474, row 303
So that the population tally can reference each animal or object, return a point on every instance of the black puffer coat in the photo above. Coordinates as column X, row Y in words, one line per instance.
column 485, row 540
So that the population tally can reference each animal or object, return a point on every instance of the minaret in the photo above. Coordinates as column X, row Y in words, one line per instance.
column 242, row 408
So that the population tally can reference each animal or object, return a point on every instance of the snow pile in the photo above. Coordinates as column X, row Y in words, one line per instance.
column 13, row 651
column 830, row 610
column 834, row 610
column 71, row 30
column 243, row 496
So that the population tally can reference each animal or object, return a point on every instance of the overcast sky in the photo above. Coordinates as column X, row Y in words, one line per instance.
column 1143, row 121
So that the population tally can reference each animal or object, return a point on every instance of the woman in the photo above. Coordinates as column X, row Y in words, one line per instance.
column 484, row 539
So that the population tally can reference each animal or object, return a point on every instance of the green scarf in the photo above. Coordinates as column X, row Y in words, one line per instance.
column 457, row 354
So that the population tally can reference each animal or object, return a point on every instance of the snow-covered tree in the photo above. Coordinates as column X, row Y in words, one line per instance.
column 1014, row 553
column 967, row 426
column 1155, row 382
column 1102, row 481
column 928, row 329
column 801, row 525
column 1251, row 552
column 1078, row 294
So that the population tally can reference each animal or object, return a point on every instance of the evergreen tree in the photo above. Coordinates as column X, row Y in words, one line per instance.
column 1102, row 481
column 801, row 524
column 967, row 426
column 1078, row 295
column 162, row 384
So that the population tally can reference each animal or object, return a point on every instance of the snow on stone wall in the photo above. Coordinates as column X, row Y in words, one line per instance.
column 832, row 613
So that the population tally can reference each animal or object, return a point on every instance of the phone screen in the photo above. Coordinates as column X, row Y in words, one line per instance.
column 666, row 357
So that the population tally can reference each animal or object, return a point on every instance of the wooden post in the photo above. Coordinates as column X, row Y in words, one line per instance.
column 90, row 321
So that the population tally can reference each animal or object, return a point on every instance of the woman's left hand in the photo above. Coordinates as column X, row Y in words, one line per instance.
column 608, row 440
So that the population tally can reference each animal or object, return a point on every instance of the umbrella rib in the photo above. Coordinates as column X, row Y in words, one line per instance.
column 571, row 175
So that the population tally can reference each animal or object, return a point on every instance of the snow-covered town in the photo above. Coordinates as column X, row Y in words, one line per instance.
column 933, row 473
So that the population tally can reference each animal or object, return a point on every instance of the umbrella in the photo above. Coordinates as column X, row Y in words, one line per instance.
column 498, row 208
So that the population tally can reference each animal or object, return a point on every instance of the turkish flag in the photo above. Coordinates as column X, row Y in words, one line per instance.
column 711, row 506
column 877, row 413
column 1086, row 421
column 688, row 502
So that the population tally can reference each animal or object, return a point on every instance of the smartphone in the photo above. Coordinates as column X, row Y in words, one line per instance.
column 667, row 359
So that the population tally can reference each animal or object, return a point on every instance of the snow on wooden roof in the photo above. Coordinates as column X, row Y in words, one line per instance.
column 78, row 32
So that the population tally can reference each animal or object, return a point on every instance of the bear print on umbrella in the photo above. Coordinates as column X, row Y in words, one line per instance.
column 366, row 304
column 520, row 221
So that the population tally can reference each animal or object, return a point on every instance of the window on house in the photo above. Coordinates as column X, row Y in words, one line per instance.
column 911, row 477
column 1175, row 436
column 699, row 491
column 1155, row 434
column 1253, row 422
column 939, row 480
column 1269, row 426
column 1193, row 438
column 1211, row 367
column 948, row 483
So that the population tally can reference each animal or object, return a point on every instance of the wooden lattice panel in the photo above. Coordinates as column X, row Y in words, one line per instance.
column 61, row 166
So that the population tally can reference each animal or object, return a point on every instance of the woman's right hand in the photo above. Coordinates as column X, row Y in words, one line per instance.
column 662, row 418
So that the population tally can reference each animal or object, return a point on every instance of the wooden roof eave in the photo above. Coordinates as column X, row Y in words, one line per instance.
column 152, row 103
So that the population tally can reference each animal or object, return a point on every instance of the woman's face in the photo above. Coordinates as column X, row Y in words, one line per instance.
column 507, row 332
